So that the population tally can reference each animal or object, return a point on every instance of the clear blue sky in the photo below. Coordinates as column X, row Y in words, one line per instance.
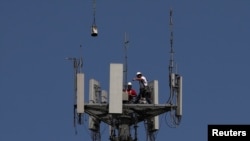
column 211, row 42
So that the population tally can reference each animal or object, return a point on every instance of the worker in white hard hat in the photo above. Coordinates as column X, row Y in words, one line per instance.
column 131, row 93
column 144, row 93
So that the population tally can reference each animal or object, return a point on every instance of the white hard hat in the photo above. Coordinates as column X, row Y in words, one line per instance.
column 138, row 73
column 129, row 83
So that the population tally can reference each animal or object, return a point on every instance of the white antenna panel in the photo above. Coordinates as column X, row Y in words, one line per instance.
column 179, row 96
column 94, row 87
column 115, row 88
column 124, row 96
column 173, row 79
column 104, row 98
column 153, row 85
column 80, row 93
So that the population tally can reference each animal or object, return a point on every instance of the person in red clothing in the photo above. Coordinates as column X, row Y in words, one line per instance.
column 131, row 93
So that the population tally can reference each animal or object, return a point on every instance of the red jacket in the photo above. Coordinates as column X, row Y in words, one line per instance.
column 131, row 93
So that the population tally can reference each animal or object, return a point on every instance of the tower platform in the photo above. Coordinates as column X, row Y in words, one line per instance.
column 134, row 113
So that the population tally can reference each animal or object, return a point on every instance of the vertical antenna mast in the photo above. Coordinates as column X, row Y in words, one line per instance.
column 171, row 63
column 80, row 60
column 175, row 80
column 125, row 61
column 94, row 7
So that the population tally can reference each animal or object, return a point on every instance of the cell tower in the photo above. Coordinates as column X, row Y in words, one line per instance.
column 175, row 80
column 112, row 107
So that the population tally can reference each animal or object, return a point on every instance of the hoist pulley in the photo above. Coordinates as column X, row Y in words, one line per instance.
column 94, row 31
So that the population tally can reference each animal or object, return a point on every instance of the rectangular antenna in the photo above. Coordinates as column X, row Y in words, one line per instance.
column 179, row 96
column 153, row 85
column 115, row 88
column 124, row 96
column 94, row 91
column 94, row 88
column 172, row 77
column 104, row 96
column 80, row 93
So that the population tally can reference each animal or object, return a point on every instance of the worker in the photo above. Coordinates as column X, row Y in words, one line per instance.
column 131, row 93
column 144, row 93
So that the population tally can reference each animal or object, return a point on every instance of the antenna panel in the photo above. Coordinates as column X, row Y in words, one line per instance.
column 153, row 85
column 94, row 91
column 179, row 96
column 172, row 79
column 80, row 93
column 124, row 96
column 94, row 97
column 115, row 88
column 104, row 98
